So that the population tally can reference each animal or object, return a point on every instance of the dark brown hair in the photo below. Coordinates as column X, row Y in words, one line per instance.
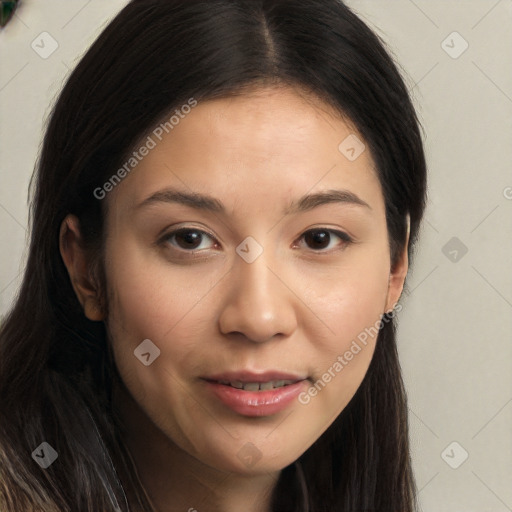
column 56, row 369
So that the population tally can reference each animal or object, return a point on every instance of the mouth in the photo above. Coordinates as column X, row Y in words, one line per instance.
column 256, row 386
column 252, row 394
column 251, row 381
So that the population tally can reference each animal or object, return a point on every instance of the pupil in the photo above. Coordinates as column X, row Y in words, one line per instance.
column 191, row 238
column 317, row 238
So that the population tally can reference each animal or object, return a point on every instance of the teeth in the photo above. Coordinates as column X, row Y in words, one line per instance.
column 257, row 386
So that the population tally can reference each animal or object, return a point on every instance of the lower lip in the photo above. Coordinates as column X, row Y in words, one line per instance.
column 256, row 403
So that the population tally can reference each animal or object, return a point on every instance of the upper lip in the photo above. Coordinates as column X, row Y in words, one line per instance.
column 247, row 376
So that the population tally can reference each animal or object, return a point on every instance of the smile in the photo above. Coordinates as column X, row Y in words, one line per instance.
column 257, row 386
column 252, row 393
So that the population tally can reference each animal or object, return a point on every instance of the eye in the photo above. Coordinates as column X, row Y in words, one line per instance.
column 188, row 239
column 320, row 239
column 193, row 240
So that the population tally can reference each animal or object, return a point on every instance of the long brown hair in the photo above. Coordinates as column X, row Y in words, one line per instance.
column 56, row 368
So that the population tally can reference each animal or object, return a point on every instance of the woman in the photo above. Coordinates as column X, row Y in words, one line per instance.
column 225, row 209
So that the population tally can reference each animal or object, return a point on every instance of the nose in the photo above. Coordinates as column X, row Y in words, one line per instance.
column 258, row 303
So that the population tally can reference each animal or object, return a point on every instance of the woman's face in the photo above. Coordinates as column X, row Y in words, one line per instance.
column 268, row 280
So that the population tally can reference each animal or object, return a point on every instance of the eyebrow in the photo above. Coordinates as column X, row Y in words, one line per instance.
column 211, row 204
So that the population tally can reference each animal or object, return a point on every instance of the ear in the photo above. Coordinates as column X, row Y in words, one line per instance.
column 398, row 274
column 73, row 252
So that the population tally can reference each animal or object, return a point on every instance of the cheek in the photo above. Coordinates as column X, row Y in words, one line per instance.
column 351, row 296
column 151, row 300
column 152, row 297
column 350, row 306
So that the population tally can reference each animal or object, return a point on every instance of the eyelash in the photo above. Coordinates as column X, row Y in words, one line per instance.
column 347, row 240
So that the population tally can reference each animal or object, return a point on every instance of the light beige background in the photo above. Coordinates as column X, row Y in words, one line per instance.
column 455, row 329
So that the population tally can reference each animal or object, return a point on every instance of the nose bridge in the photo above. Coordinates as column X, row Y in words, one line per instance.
column 258, row 304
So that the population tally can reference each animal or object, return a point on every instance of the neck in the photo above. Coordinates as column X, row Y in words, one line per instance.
column 174, row 481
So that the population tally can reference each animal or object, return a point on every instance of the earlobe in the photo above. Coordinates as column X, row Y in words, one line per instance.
column 92, row 310
column 398, row 274
column 75, row 257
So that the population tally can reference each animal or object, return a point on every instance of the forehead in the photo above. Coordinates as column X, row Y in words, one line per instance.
column 265, row 142
column 278, row 118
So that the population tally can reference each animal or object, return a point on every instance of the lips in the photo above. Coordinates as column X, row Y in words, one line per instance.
column 257, row 386
column 255, row 394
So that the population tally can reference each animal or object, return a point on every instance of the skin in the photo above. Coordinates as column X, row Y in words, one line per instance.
column 296, row 308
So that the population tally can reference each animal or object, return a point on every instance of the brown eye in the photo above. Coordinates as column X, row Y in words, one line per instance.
column 320, row 239
column 317, row 239
column 187, row 239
